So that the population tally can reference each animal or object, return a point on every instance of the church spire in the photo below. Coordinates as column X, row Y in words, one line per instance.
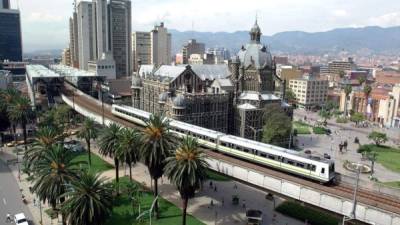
column 255, row 32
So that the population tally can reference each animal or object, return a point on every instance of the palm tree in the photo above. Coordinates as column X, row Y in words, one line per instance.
column 367, row 91
column 88, row 132
column 187, row 170
column 109, row 144
column 347, row 90
column 46, row 137
column 128, row 150
column 20, row 112
column 53, row 171
column 88, row 201
column 361, row 80
column 157, row 143
column 7, row 97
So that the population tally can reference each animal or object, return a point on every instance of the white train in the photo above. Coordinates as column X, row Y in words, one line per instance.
column 315, row 168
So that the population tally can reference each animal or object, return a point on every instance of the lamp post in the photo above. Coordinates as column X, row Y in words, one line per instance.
column 353, row 211
column 255, row 131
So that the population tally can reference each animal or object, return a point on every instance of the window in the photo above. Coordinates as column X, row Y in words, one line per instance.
column 323, row 170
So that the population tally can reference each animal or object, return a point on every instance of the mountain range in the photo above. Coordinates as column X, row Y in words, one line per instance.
column 366, row 40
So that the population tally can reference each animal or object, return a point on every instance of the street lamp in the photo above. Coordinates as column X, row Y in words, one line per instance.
column 255, row 131
column 353, row 211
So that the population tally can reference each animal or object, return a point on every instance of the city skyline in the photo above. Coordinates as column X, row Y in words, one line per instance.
column 45, row 18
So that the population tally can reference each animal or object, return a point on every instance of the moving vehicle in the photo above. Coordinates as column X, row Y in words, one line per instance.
column 305, row 165
column 20, row 219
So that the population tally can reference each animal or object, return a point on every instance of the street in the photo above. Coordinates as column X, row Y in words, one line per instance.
column 10, row 195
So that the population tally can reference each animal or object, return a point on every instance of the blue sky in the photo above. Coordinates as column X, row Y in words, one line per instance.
column 45, row 22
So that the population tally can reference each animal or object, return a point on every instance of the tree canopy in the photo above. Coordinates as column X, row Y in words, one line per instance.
column 277, row 127
column 378, row 137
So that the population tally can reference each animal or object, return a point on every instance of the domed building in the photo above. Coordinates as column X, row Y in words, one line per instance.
column 254, row 77
column 231, row 98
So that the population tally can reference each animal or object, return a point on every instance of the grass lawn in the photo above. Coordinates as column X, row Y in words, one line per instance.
column 395, row 184
column 319, row 130
column 387, row 157
column 303, row 213
column 212, row 175
column 169, row 213
column 98, row 164
column 301, row 127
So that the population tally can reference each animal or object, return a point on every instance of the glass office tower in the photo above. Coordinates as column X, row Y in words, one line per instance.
column 10, row 35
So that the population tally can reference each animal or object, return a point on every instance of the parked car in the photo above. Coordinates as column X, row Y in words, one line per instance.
column 74, row 146
column 20, row 219
column 327, row 156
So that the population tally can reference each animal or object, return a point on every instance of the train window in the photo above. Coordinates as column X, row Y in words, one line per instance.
column 245, row 150
column 271, row 157
column 301, row 165
column 263, row 155
column 290, row 162
column 313, row 168
column 282, row 158
column 323, row 170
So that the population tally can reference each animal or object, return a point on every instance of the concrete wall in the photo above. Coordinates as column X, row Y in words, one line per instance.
column 306, row 194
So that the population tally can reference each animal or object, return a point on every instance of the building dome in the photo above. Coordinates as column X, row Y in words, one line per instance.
column 163, row 97
column 136, row 82
column 179, row 102
column 255, row 54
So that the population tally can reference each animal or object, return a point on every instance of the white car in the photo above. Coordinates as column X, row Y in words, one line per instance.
column 20, row 219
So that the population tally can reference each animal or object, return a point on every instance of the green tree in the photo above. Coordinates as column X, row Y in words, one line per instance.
column 357, row 117
column 378, row 137
column 325, row 114
column 367, row 91
column 46, row 137
column 128, row 151
column 186, row 169
column 109, row 144
column 290, row 96
column 157, row 143
column 347, row 90
column 361, row 80
column 277, row 126
column 62, row 115
column 20, row 112
column 88, row 132
column 342, row 73
column 89, row 200
column 53, row 172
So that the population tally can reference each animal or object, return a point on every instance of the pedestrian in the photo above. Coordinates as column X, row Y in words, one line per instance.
column 235, row 186
column 211, row 184
column 34, row 202
column 8, row 219
column 215, row 188
column 212, row 203
column 222, row 201
column 244, row 204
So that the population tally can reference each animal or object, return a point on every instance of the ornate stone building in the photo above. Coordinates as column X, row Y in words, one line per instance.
column 229, row 98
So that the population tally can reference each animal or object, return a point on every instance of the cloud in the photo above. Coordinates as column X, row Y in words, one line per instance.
column 43, row 17
column 386, row 20
column 340, row 13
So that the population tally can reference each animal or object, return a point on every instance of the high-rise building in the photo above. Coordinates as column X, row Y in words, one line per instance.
column 85, row 33
column 100, row 28
column 10, row 33
column 141, row 49
column 120, row 34
column 4, row 4
column 160, row 45
column 192, row 47
column 73, row 40
column 309, row 91
column 66, row 57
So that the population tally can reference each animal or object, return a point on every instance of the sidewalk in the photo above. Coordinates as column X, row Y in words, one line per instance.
column 223, row 212
column 7, row 154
